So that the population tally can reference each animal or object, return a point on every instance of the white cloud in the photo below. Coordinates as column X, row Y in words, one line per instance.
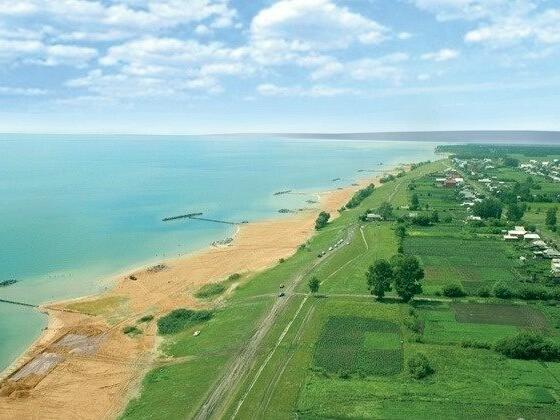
column 445, row 54
column 292, row 28
column 36, row 52
column 317, row 91
column 154, row 66
column 381, row 68
column 473, row 9
column 18, row 91
column 542, row 28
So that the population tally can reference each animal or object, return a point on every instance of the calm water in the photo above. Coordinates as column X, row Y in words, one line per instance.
column 77, row 209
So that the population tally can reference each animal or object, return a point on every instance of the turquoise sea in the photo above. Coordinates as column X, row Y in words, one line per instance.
column 76, row 210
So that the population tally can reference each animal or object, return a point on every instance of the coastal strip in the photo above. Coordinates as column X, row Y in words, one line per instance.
column 100, row 367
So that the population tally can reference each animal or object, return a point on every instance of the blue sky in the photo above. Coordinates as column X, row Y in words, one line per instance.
column 214, row 66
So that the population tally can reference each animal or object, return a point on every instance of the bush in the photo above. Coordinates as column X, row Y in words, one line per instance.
column 360, row 196
column 502, row 291
column 483, row 292
column 131, row 330
column 322, row 220
column 210, row 290
column 534, row 293
column 529, row 346
column 234, row 277
column 146, row 318
column 179, row 319
column 419, row 366
column 473, row 344
column 453, row 291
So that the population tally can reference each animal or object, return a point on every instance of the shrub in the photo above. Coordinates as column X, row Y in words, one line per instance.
column 419, row 366
column 131, row 330
column 179, row 319
column 528, row 346
column 473, row 344
column 360, row 196
column 534, row 293
column 453, row 291
column 234, row 276
column 483, row 292
column 322, row 220
column 502, row 291
column 210, row 290
column 146, row 318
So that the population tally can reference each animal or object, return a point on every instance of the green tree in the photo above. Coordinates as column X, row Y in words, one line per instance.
column 551, row 218
column 488, row 208
column 379, row 278
column 407, row 276
column 414, row 202
column 515, row 212
column 511, row 162
column 314, row 284
column 400, row 231
column 385, row 210
column 419, row 366
column 322, row 220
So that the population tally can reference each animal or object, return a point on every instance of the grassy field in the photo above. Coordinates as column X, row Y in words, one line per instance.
column 341, row 354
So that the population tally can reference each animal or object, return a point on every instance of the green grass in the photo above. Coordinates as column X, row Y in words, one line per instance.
column 296, row 382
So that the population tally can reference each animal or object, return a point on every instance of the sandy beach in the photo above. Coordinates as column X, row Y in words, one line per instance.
column 84, row 366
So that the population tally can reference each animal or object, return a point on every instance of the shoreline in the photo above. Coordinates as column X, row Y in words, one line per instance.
column 255, row 247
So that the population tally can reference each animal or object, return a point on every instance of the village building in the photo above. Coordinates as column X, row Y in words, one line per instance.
column 373, row 217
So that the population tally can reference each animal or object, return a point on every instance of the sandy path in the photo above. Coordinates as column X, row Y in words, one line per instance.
column 94, row 386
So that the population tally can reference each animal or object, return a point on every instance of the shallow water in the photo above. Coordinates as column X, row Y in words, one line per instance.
column 77, row 209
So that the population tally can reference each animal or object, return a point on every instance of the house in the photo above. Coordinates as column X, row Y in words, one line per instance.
column 472, row 218
column 508, row 237
column 373, row 216
column 467, row 204
column 555, row 267
column 531, row 237
column 450, row 183
column 539, row 244
column 519, row 231
column 551, row 253
column 485, row 180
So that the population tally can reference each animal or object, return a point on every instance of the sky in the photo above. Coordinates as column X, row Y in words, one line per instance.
column 222, row 66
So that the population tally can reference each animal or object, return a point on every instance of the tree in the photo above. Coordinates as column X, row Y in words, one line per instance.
column 414, row 202
column 400, row 231
column 488, row 208
column 551, row 218
column 314, row 284
column 322, row 220
column 407, row 276
column 529, row 346
column 511, row 162
column 385, row 210
column 419, row 366
column 379, row 278
column 515, row 212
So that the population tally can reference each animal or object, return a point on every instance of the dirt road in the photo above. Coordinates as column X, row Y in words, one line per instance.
column 224, row 390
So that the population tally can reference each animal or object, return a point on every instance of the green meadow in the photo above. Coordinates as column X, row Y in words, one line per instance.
column 342, row 354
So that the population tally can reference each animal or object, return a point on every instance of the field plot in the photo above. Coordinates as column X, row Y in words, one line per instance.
column 440, row 326
column 359, row 345
column 471, row 262
column 517, row 315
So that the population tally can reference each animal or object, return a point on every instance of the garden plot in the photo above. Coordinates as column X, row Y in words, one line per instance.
column 516, row 315
column 365, row 346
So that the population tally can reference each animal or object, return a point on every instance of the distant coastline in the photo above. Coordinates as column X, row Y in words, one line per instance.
column 436, row 136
